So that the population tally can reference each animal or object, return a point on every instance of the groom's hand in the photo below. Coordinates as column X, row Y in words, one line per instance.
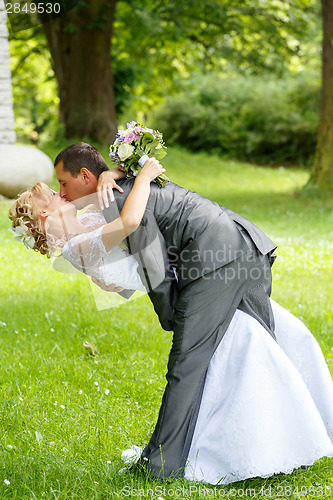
column 107, row 288
column 105, row 186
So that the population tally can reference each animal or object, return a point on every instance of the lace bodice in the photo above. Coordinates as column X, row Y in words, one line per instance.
column 86, row 252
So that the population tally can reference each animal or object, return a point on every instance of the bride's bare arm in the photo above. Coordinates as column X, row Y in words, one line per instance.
column 134, row 206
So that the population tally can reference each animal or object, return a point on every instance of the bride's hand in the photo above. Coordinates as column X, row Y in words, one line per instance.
column 105, row 186
column 151, row 169
column 107, row 288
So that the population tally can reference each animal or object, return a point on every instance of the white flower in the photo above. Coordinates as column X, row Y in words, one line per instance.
column 21, row 233
column 106, row 392
column 95, row 383
column 80, row 391
column 7, row 482
column 125, row 151
column 108, row 462
column 62, row 406
column 9, row 446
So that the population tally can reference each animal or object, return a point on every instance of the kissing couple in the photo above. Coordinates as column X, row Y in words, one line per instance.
column 248, row 390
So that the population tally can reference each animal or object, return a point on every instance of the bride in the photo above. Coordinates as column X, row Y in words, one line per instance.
column 267, row 406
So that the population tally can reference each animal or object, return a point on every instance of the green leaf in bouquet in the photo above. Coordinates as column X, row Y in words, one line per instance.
column 133, row 163
column 159, row 153
column 139, row 153
column 151, row 146
column 146, row 138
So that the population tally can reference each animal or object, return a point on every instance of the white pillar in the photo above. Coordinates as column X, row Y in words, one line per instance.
column 7, row 122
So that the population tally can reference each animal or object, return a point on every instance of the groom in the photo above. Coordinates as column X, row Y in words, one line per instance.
column 222, row 263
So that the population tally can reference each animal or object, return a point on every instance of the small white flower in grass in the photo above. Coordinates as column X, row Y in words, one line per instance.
column 106, row 392
column 108, row 462
column 62, row 406
column 7, row 483
column 21, row 399
column 52, row 329
column 96, row 383
column 65, row 450
column 39, row 437
column 80, row 391
column 52, row 443
column 95, row 482
column 15, row 331
column 55, row 403
column 9, row 446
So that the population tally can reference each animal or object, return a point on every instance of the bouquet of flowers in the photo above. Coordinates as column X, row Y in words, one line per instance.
column 133, row 146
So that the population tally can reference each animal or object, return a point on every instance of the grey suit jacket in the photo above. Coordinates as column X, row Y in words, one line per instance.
column 182, row 229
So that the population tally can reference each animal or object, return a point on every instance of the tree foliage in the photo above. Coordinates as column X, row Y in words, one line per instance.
column 157, row 43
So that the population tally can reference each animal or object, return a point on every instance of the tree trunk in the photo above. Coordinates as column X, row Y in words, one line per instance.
column 322, row 171
column 80, row 45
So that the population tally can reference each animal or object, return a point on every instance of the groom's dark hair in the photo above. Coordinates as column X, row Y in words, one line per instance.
column 81, row 155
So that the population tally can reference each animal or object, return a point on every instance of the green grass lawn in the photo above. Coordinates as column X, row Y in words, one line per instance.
column 65, row 417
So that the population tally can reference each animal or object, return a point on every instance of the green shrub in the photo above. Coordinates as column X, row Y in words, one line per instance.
column 257, row 119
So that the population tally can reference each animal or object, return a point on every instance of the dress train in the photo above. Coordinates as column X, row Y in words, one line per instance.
column 267, row 406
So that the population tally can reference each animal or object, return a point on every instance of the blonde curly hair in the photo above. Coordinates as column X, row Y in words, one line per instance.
column 26, row 212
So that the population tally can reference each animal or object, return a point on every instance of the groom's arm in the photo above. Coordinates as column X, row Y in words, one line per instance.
column 149, row 248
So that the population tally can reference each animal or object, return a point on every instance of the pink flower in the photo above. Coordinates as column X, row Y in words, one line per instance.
column 130, row 137
column 138, row 129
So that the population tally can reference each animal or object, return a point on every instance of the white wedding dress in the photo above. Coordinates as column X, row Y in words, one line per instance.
column 86, row 252
column 267, row 406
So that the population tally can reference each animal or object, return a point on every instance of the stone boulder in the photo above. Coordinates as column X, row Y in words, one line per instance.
column 22, row 166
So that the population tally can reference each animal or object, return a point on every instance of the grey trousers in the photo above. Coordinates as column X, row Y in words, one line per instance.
column 203, row 313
